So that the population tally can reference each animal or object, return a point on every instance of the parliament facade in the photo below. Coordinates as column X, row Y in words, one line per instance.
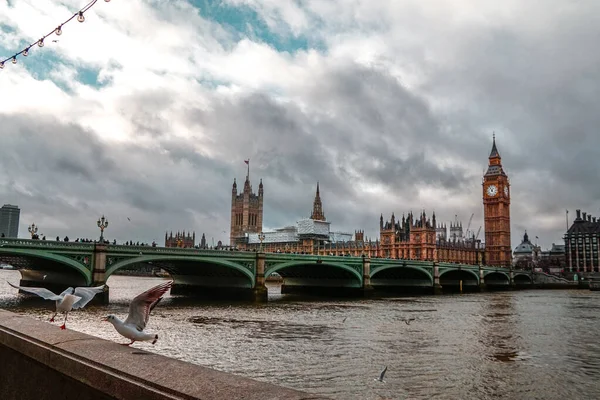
column 414, row 237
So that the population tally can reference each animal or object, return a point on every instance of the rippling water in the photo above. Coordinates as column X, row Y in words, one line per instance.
column 507, row 345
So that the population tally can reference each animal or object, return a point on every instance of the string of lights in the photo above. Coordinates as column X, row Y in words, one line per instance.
column 57, row 31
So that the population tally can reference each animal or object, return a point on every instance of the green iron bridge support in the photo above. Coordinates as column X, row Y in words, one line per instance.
column 218, row 273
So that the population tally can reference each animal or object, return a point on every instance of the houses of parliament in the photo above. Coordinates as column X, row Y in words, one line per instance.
column 413, row 236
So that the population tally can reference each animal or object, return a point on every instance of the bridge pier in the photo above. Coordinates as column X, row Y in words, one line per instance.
column 482, row 285
column 368, row 289
column 261, row 294
column 99, row 274
column 512, row 285
column 437, row 287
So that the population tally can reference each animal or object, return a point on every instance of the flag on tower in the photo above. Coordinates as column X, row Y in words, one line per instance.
column 247, row 161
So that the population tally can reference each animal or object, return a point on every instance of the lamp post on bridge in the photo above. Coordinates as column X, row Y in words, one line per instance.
column 102, row 224
column 32, row 230
column 261, row 237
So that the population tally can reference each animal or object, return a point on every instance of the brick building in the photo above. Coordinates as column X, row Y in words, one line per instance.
column 246, row 211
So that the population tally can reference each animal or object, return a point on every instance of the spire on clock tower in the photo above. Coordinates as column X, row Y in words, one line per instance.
column 495, row 161
column 494, row 153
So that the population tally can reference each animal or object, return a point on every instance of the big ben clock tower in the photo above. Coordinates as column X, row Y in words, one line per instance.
column 496, row 212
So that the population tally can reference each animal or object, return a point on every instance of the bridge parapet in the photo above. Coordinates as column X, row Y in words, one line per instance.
column 45, row 244
column 123, row 249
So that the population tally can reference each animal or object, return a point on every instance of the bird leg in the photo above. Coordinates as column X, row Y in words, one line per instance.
column 127, row 344
column 52, row 319
column 64, row 325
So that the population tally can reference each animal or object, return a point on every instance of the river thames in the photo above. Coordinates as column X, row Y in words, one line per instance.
column 505, row 345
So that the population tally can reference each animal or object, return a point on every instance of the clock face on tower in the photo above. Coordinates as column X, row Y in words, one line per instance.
column 492, row 190
column 506, row 191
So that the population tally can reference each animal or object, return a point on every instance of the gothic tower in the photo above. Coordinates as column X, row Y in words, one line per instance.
column 317, row 212
column 246, row 210
column 496, row 211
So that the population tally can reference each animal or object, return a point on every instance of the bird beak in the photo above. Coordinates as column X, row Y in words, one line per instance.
column 105, row 319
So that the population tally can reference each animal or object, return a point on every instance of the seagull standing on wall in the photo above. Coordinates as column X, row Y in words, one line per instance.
column 70, row 299
column 139, row 313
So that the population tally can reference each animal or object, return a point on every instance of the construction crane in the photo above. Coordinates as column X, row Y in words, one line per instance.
column 469, row 225
column 478, row 230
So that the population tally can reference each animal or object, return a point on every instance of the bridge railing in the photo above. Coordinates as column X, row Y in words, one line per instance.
column 125, row 249
column 311, row 257
column 45, row 244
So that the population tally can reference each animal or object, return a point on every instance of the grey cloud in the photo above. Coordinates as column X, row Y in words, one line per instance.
column 65, row 173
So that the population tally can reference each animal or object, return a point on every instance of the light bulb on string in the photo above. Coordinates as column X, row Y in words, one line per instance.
column 58, row 31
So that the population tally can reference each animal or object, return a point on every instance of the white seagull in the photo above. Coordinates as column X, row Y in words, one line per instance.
column 139, row 313
column 70, row 299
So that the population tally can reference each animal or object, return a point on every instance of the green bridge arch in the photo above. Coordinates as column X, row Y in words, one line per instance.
column 150, row 258
column 379, row 268
column 278, row 267
column 491, row 272
column 523, row 274
column 460, row 269
column 28, row 253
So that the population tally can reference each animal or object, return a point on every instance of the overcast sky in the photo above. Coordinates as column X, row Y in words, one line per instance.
column 148, row 109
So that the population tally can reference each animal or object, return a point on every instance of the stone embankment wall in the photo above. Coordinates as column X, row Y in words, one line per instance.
column 39, row 361
column 545, row 281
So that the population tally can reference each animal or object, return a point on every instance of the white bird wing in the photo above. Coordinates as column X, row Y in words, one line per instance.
column 42, row 292
column 86, row 294
column 67, row 291
column 142, row 304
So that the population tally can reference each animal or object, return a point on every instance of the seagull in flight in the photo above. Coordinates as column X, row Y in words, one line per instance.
column 380, row 379
column 70, row 299
column 139, row 313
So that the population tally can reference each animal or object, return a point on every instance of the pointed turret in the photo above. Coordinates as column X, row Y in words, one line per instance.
column 495, row 162
column 317, row 212
column 494, row 153
column 247, row 186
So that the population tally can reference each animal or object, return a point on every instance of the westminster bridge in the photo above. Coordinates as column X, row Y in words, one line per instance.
column 57, row 265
